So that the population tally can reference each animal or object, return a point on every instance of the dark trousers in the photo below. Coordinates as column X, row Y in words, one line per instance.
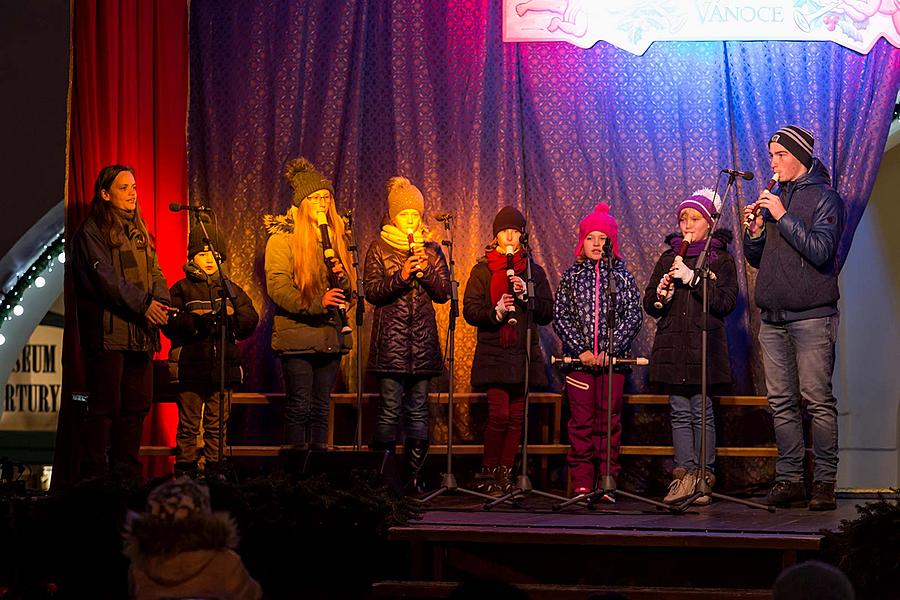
column 120, row 387
column 506, row 405
column 588, row 428
column 308, row 379
column 196, row 406
column 404, row 400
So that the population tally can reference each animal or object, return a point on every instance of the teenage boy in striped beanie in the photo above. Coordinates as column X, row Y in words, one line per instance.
column 793, row 241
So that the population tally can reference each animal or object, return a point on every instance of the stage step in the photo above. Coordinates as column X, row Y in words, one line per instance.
column 549, row 432
column 477, row 449
column 535, row 397
column 413, row 590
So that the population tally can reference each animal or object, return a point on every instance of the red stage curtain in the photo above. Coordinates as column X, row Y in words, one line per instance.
column 128, row 105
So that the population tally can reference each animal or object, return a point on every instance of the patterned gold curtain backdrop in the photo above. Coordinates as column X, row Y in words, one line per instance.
column 428, row 90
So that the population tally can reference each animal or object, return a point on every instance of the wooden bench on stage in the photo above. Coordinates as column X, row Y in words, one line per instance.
column 550, row 429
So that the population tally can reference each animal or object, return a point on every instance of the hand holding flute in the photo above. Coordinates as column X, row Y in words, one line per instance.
column 413, row 251
column 666, row 288
column 511, row 276
column 334, row 297
column 753, row 219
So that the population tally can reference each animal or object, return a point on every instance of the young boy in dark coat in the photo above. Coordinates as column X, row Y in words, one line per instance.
column 193, row 359
column 499, row 364
column 675, row 363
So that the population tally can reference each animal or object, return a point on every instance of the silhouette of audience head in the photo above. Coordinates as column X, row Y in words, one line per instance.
column 813, row 580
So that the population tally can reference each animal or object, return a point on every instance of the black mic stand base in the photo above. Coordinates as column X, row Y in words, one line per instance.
column 609, row 487
column 704, row 489
column 523, row 489
column 449, row 486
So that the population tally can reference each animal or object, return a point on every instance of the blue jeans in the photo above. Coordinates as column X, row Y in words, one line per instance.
column 308, row 379
column 686, row 431
column 799, row 361
column 406, row 394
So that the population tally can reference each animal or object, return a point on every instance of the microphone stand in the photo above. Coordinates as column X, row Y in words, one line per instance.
column 523, row 485
column 703, row 272
column 360, row 312
column 226, row 297
column 448, row 481
column 608, row 483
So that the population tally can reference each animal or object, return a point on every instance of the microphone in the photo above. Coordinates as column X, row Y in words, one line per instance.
column 569, row 360
column 510, row 273
column 742, row 174
column 176, row 207
column 442, row 217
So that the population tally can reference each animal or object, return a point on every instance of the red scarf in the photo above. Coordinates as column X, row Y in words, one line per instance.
column 500, row 285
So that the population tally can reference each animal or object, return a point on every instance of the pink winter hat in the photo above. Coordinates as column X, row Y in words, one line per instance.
column 599, row 220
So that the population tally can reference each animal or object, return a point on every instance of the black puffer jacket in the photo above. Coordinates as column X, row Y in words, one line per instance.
column 676, row 348
column 193, row 358
column 404, row 331
column 494, row 364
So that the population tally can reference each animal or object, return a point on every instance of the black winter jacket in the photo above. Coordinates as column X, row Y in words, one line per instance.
column 113, row 288
column 676, row 355
column 404, row 330
column 798, row 272
column 193, row 358
column 494, row 364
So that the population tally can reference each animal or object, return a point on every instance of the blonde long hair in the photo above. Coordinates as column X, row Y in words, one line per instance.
column 309, row 265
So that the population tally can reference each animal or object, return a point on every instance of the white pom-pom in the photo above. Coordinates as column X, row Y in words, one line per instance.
column 711, row 195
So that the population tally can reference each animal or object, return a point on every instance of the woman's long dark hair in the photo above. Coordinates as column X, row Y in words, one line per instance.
column 104, row 209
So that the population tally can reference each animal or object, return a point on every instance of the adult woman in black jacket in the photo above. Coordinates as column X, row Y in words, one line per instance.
column 121, row 300
column 499, row 363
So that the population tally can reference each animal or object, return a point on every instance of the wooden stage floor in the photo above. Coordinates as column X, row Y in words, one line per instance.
column 724, row 545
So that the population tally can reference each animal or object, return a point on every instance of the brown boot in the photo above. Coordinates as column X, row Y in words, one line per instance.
column 682, row 486
column 823, row 496
column 706, row 499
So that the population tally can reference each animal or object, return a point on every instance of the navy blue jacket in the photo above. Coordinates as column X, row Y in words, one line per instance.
column 796, row 255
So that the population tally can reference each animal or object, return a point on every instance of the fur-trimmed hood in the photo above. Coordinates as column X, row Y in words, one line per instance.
column 148, row 536
column 279, row 223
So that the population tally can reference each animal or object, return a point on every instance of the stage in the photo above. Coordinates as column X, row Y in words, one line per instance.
column 725, row 550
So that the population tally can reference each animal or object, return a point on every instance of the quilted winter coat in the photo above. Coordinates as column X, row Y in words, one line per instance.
column 404, row 331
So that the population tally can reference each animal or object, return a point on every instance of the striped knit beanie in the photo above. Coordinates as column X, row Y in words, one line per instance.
column 797, row 141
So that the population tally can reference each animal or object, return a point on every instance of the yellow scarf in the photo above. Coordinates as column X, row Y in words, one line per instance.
column 399, row 240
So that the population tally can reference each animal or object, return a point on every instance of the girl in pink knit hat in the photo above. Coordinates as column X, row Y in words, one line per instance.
column 580, row 320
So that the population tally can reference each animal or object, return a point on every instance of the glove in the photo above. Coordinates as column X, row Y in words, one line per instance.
column 664, row 291
column 681, row 271
column 500, row 309
column 518, row 286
